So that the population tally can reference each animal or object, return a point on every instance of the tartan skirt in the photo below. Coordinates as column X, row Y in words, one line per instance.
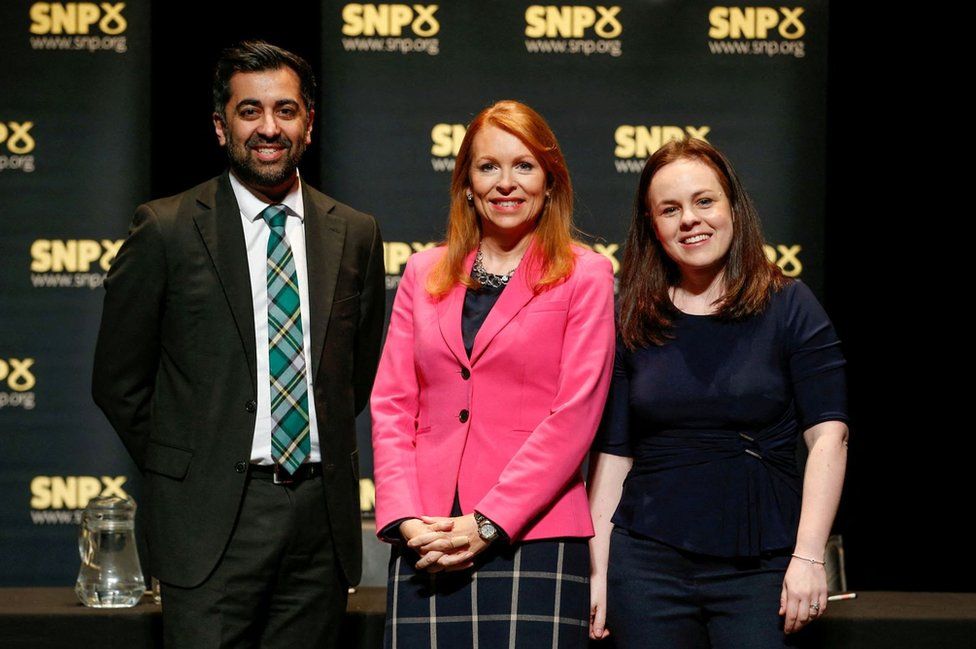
column 528, row 595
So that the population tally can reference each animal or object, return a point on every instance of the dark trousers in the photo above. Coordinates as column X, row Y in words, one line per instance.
column 659, row 596
column 277, row 584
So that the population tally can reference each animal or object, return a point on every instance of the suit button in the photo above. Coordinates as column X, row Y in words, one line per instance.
column 465, row 373
column 251, row 406
column 463, row 415
column 240, row 467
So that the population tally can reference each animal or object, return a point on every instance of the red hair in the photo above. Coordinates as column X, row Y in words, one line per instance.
column 553, row 236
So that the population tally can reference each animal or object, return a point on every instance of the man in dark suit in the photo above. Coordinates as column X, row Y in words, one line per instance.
column 239, row 340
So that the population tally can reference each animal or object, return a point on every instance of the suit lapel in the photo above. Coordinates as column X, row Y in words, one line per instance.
column 449, row 310
column 219, row 224
column 515, row 296
column 325, row 235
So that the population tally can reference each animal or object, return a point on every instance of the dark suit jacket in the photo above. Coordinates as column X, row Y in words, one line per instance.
column 175, row 365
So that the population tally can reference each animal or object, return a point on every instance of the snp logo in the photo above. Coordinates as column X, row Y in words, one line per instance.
column 389, row 20
column 16, row 143
column 578, row 29
column 52, row 495
column 406, row 28
column 77, row 18
column 16, row 383
column 787, row 257
column 634, row 143
column 78, row 26
column 572, row 22
column 73, row 263
column 755, row 22
column 396, row 253
column 757, row 30
column 445, row 143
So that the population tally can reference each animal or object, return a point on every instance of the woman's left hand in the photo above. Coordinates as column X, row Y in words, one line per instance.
column 467, row 527
column 804, row 595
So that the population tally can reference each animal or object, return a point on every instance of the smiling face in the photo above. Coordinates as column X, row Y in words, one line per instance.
column 692, row 216
column 507, row 183
column 265, row 127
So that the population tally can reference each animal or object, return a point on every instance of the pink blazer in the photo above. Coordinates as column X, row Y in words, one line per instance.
column 508, row 428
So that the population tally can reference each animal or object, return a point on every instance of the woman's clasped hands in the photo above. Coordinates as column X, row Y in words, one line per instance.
column 443, row 543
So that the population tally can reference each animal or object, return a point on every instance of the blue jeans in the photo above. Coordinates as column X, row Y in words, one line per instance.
column 659, row 596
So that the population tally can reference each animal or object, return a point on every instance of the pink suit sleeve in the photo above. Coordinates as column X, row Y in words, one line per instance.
column 394, row 407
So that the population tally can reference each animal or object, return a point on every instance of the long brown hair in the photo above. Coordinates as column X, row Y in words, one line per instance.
column 647, row 273
column 553, row 232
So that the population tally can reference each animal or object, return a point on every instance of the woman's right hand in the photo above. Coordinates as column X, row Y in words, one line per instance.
column 431, row 538
column 598, row 607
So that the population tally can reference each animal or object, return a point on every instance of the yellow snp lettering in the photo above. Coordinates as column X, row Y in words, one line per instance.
column 609, row 250
column 396, row 253
column 755, row 22
column 389, row 19
column 73, row 492
column 16, row 137
column 635, row 141
column 552, row 21
column 77, row 17
column 786, row 257
column 72, row 255
column 17, row 373
column 367, row 495
column 446, row 139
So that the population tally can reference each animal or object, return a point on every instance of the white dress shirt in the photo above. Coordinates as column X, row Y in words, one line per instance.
column 256, row 233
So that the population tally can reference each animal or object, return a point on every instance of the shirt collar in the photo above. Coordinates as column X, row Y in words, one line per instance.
column 252, row 206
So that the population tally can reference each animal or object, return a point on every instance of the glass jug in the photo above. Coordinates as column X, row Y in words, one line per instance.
column 110, row 576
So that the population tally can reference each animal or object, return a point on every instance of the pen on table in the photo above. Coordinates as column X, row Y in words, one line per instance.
column 841, row 597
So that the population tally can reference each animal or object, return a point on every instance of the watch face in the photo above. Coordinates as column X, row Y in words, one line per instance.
column 488, row 531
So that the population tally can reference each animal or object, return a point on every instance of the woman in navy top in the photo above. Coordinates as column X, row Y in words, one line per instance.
column 703, row 538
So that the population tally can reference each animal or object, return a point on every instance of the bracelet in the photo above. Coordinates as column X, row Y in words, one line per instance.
column 810, row 561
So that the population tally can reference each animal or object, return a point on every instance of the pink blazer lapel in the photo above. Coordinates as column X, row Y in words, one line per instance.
column 449, row 316
column 515, row 296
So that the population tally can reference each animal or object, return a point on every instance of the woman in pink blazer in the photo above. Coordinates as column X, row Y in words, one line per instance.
column 489, row 392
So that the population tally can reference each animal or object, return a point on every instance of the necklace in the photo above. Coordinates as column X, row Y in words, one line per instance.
column 489, row 279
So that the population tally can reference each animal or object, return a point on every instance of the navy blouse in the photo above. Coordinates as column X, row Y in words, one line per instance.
column 712, row 420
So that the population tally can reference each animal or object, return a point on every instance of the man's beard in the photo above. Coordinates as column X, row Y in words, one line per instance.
column 252, row 172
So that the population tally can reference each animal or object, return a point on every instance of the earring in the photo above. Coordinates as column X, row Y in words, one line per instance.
column 470, row 197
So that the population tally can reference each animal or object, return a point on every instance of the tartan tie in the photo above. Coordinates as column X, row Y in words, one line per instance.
column 290, row 433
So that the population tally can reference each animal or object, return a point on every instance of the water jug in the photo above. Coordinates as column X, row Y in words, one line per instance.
column 110, row 576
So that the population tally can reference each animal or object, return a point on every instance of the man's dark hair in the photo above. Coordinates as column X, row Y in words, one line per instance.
column 258, row 56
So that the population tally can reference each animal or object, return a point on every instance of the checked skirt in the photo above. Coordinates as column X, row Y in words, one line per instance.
column 531, row 595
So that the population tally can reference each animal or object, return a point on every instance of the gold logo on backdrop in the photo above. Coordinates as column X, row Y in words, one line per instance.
column 638, row 141
column 389, row 19
column 396, row 253
column 77, row 17
column 446, row 139
column 16, row 137
column 572, row 21
column 786, row 257
column 73, row 492
column 16, row 372
column 755, row 22
column 72, row 255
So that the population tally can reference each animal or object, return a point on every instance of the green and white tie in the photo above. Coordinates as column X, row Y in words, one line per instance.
column 290, row 433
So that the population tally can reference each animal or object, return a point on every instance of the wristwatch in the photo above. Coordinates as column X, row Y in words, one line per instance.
column 486, row 529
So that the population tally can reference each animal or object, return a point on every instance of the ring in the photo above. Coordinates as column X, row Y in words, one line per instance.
column 815, row 606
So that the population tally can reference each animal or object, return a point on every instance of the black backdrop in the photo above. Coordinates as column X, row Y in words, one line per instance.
column 896, row 534
column 902, row 511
